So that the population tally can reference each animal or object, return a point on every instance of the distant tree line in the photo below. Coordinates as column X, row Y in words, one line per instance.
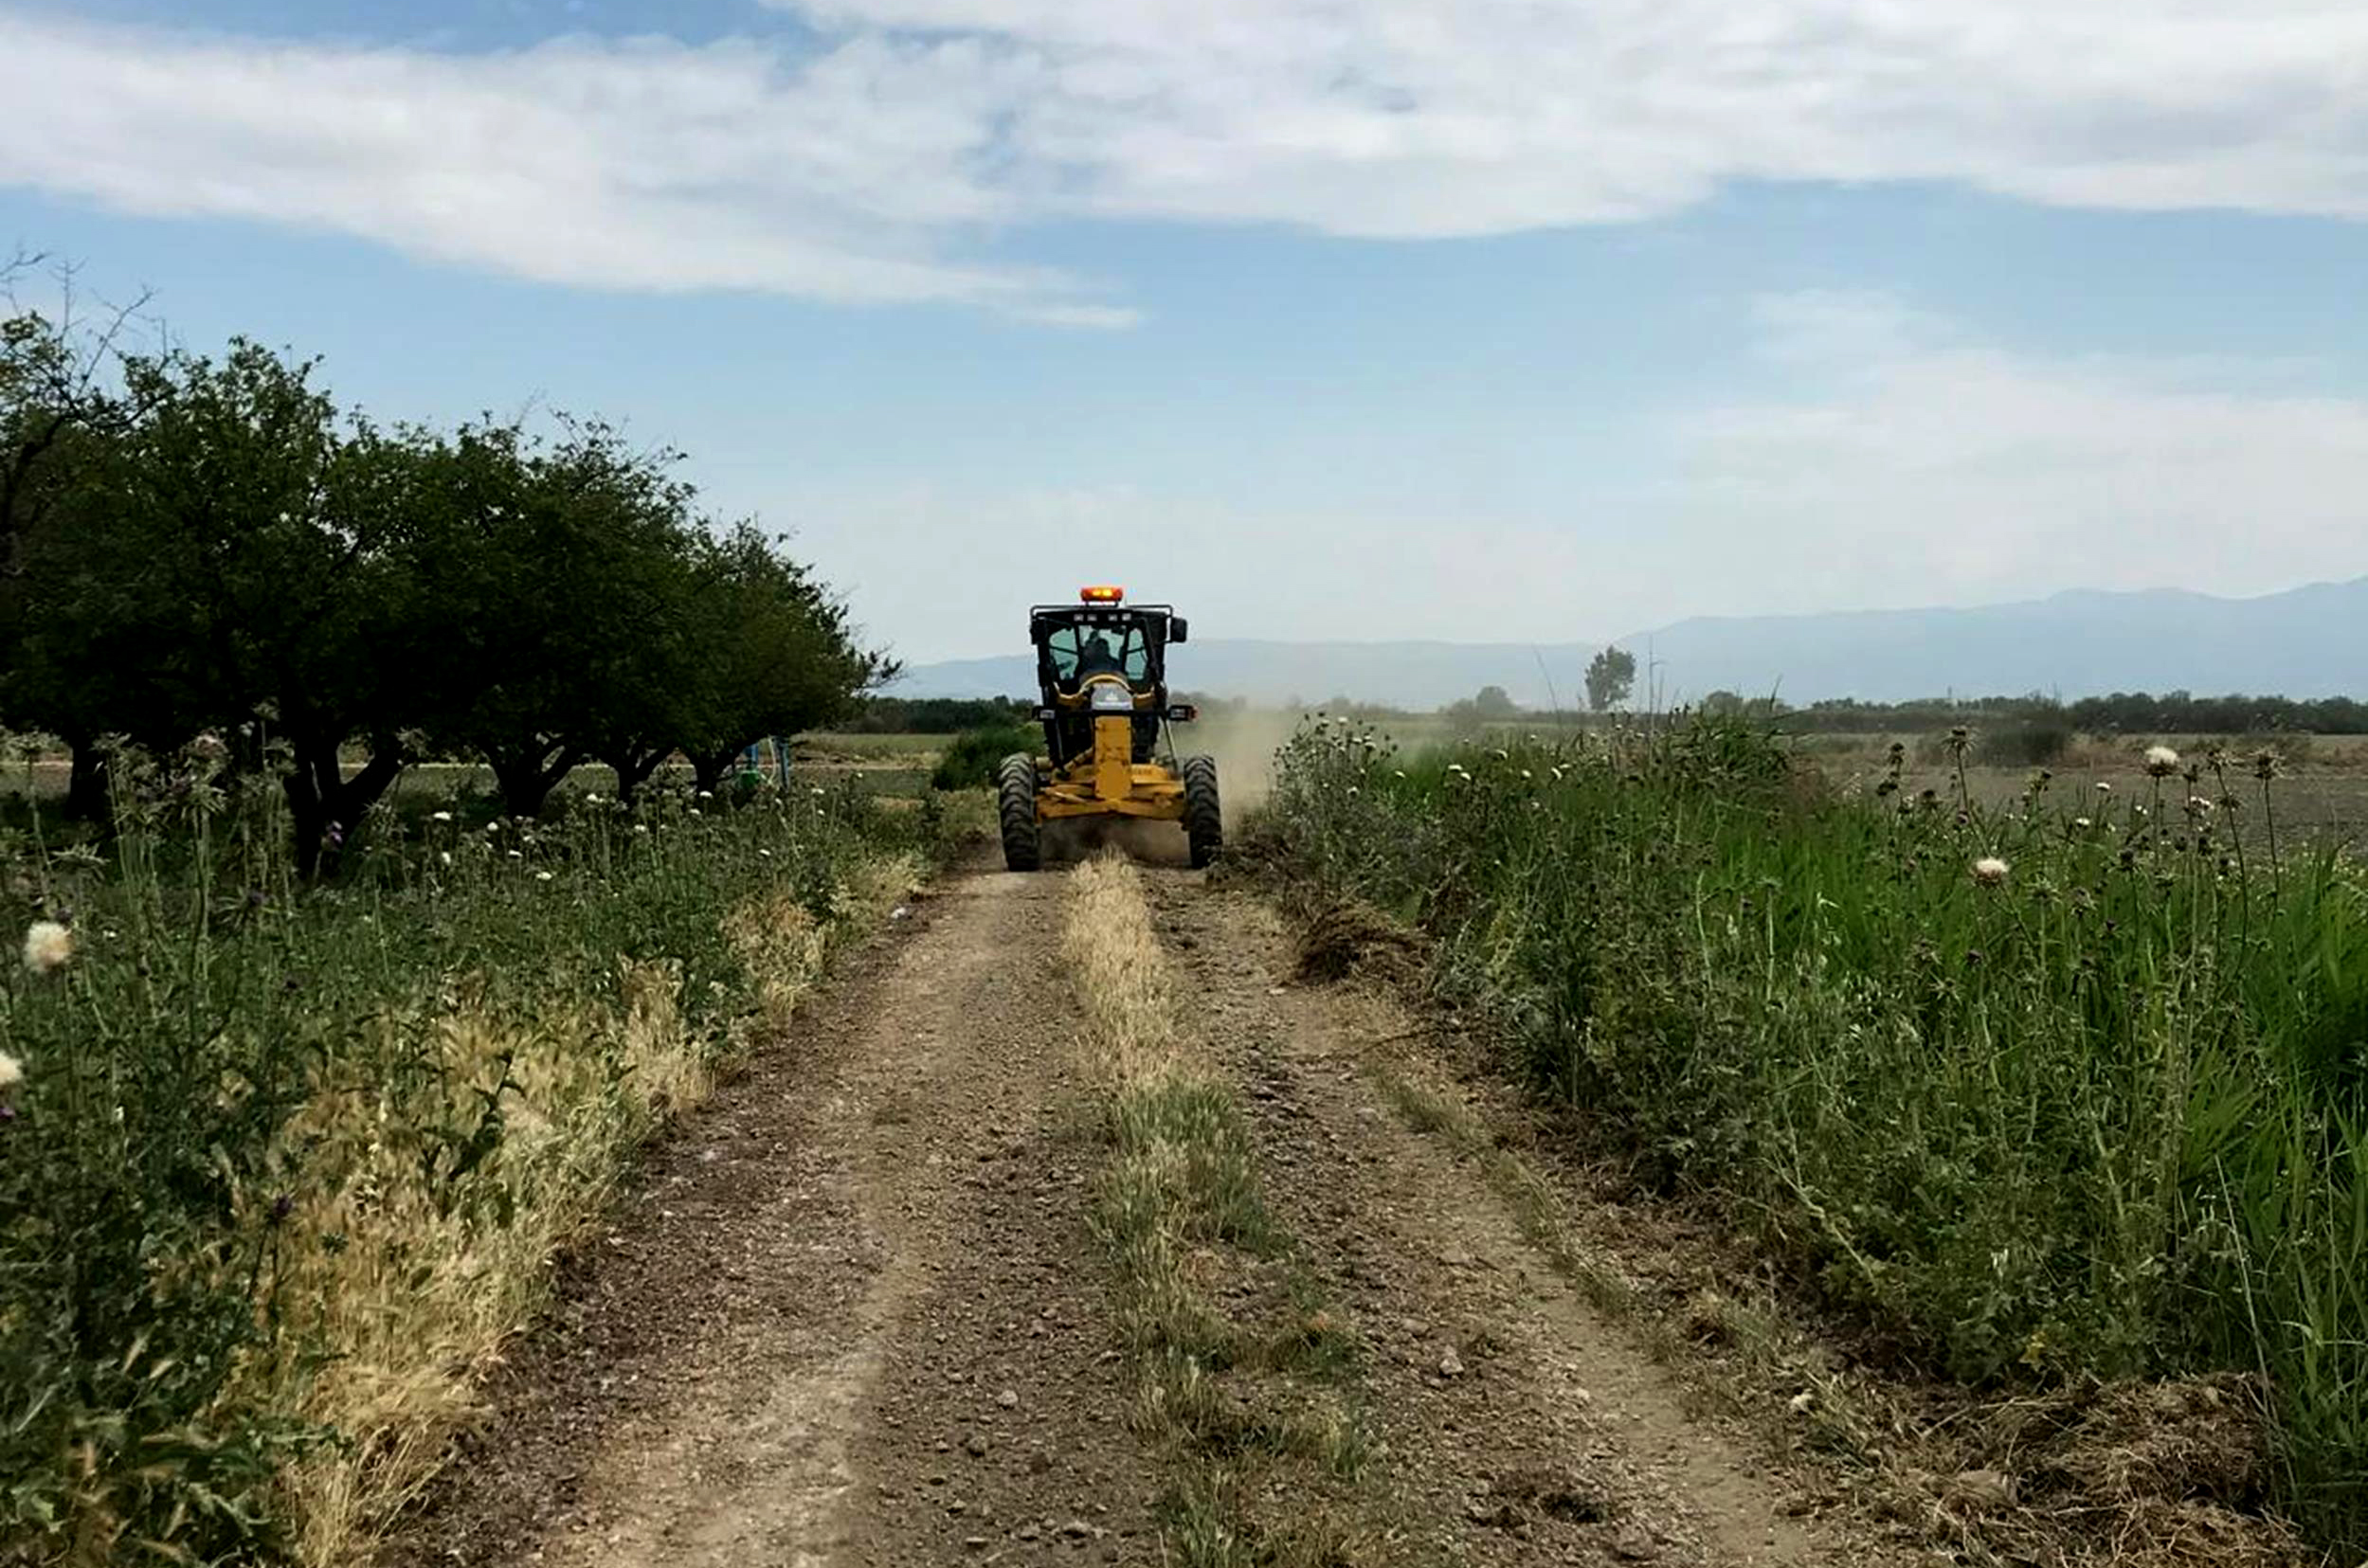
column 208, row 547
column 2122, row 713
column 936, row 715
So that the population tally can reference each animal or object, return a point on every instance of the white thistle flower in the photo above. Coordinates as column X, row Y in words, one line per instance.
column 11, row 1071
column 47, row 946
column 440, row 816
column 2162, row 762
column 542, row 876
column 1989, row 871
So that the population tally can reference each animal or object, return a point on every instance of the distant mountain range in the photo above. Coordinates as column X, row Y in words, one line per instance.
column 2307, row 642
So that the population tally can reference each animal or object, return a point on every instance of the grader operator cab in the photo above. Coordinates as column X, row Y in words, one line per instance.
column 1101, row 675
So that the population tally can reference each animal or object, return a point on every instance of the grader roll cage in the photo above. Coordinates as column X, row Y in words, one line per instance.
column 1101, row 671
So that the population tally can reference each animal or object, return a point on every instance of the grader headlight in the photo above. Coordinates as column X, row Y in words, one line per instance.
column 1111, row 697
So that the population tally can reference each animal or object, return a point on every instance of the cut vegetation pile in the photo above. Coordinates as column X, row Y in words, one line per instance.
column 2053, row 1096
column 1244, row 1376
column 286, row 1164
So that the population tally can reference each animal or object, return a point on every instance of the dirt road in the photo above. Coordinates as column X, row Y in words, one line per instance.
column 857, row 1311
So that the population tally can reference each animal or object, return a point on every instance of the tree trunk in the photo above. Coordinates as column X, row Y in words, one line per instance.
column 326, row 805
column 709, row 767
column 86, row 785
column 308, row 815
column 633, row 770
column 525, row 778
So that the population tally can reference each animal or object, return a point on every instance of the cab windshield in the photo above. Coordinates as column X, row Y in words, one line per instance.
column 1077, row 651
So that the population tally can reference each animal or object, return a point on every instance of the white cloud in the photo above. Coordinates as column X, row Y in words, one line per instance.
column 1927, row 467
column 1901, row 463
column 647, row 165
column 868, row 164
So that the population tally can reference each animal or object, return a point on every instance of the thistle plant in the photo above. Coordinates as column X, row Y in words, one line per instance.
column 2049, row 1093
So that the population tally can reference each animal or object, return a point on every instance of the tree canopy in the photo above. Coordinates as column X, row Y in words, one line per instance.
column 1611, row 675
column 203, row 544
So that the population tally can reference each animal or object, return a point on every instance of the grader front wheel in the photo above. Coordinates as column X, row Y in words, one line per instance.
column 1015, row 804
column 1204, row 820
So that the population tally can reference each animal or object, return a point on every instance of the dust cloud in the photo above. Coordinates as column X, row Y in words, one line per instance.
column 1072, row 840
column 1243, row 741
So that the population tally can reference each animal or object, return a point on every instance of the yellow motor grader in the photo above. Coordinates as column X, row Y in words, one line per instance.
column 1101, row 673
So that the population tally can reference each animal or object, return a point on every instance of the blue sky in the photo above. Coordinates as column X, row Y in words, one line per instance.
column 1450, row 318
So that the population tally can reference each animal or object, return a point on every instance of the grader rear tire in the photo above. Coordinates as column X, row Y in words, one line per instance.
column 1015, row 805
column 1205, row 819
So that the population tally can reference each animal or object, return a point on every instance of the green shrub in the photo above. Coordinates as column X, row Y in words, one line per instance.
column 970, row 762
column 2025, row 743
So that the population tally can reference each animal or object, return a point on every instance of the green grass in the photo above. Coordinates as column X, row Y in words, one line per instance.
column 2096, row 1117
column 866, row 747
column 286, row 1163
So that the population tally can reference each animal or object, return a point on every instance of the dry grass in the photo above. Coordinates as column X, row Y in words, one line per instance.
column 1122, row 977
column 423, row 1281
column 1251, row 1399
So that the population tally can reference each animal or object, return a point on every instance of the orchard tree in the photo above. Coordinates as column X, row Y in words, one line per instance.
column 56, row 385
column 1611, row 675
column 553, row 587
column 60, row 405
column 232, row 566
column 349, row 674
column 777, row 654
column 653, row 681
column 78, row 613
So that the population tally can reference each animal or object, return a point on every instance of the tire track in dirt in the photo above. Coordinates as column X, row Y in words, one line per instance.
column 1519, row 1425
column 848, row 1313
